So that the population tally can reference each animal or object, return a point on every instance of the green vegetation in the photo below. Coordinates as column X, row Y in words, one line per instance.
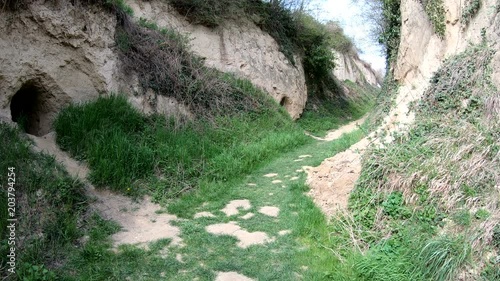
column 126, row 151
column 390, row 29
column 470, row 10
column 49, row 208
column 205, row 253
column 333, row 109
column 436, row 13
column 411, row 204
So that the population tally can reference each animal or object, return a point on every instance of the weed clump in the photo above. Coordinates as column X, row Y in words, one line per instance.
column 470, row 10
column 436, row 13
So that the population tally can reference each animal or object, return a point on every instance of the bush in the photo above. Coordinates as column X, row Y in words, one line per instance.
column 436, row 13
column 470, row 10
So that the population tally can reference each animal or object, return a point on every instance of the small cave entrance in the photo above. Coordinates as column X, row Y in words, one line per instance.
column 284, row 101
column 29, row 108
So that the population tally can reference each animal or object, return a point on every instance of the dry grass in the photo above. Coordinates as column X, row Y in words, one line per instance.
column 448, row 162
column 164, row 63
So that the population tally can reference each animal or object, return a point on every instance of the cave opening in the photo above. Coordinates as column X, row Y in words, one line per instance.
column 284, row 101
column 27, row 109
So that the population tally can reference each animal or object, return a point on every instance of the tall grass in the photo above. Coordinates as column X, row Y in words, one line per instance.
column 441, row 258
column 126, row 150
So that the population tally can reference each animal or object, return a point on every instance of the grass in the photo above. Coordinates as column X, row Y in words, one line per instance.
column 428, row 195
column 127, row 151
column 49, row 204
column 298, row 253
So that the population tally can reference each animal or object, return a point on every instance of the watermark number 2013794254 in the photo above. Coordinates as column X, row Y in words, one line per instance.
column 11, row 219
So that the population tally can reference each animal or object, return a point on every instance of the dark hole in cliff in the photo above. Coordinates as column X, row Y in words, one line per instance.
column 284, row 101
column 29, row 109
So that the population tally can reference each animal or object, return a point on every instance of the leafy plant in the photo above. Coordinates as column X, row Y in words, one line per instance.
column 436, row 13
column 30, row 272
column 394, row 206
column 470, row 10
column 462, row 218
column 481, row 214
column 391, row 29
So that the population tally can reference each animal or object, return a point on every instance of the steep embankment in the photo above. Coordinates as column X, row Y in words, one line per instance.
column 348, row 66
column 77, row 57
column 425, row 206
column 238, row 47
column 421, row 53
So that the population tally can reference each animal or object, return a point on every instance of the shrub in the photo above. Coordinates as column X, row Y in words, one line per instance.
column 470, row 10
column 390, row 30
column 436, row 13
column 441, row 258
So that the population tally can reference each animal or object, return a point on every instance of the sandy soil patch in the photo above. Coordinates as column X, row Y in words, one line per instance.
column 204, row 215
column 232, row 207
column 248, row 216
column 231, row 276
column 335, row 134
column 270, row 211
column 246, row 239
column 284, row 232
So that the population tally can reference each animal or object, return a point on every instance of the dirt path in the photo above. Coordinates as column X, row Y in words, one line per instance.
column 141, row 222
column 335, row 134
column 334, row 179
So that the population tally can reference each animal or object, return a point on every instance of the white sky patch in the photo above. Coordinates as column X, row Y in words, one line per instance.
column 350, row 17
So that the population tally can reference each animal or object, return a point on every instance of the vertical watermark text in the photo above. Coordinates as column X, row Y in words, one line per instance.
column 11, row 219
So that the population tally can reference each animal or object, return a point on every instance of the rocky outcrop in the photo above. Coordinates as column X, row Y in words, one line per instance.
column 421, row 51
column 51, row 55
column 241, row 48
column 351, row 67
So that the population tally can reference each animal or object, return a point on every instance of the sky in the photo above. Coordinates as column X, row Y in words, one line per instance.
column 351, row 19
